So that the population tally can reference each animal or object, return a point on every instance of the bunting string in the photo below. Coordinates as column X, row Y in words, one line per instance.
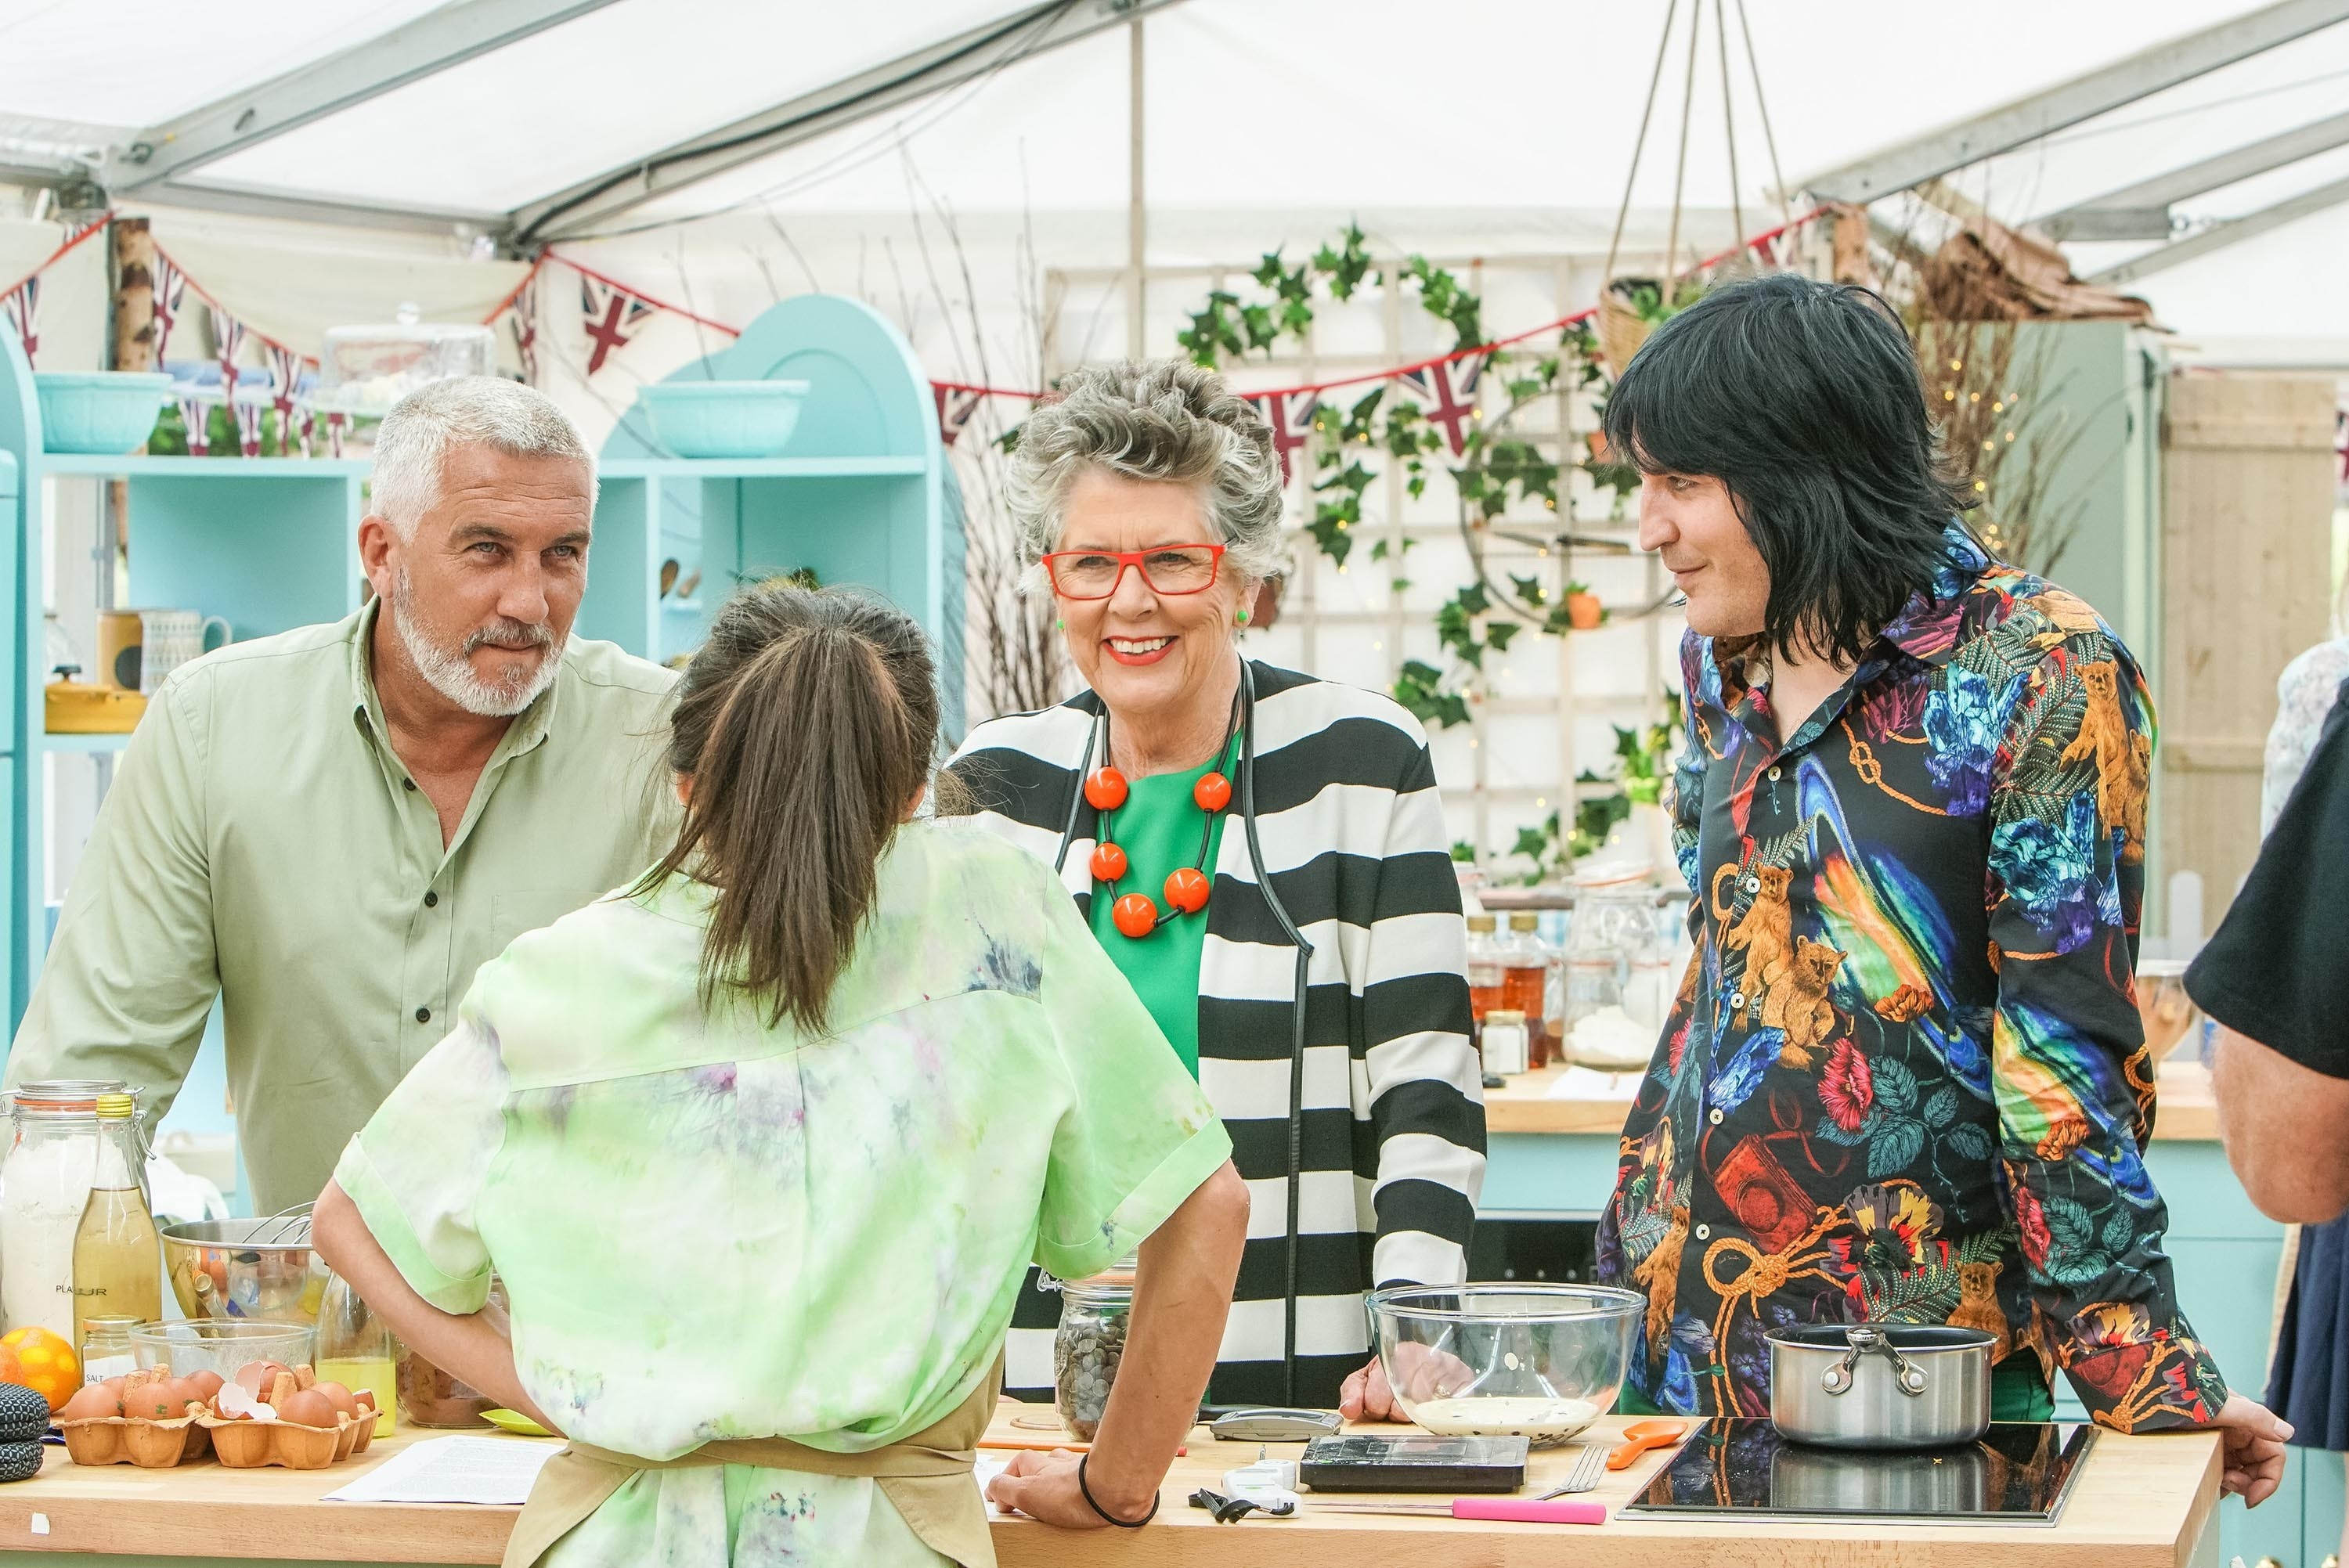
column 613, row 314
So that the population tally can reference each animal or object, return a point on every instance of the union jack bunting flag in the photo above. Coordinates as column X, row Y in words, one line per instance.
column 1447, row 392
column 249, row 414
column 23, row 305
column 197, row 415
column 228, row 340
column 1291, row 415
column 284, row 376
column 170, row 286
column 612, row 313
column 525, row 328
column 956, row 406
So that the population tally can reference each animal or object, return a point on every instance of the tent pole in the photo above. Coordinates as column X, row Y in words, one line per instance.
column 1137, row 220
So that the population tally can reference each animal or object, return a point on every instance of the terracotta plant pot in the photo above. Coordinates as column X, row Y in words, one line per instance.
column 1584, row 612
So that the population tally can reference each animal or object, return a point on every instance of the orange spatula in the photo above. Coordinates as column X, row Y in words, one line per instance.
column 1642, row 1436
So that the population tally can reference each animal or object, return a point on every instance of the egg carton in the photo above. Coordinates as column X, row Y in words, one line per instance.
column 150, row 1442
column 248, row 1442
column 123, row 1440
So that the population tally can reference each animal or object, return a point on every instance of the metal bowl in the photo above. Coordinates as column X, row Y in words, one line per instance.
column 220, row 1345
column 1880, row 1385
column 256, row 1270
column 1534, row 1360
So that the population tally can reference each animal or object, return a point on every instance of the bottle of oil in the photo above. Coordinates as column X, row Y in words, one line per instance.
column 1484, row 968
column 118, row 1266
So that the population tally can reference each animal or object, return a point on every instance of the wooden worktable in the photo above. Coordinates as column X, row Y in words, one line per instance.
column 2140, row 1502
column 2185, row 1109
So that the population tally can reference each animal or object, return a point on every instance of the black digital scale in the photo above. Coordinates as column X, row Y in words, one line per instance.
column 2020, row 1473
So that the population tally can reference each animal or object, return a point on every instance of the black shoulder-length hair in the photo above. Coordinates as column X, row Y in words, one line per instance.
column 1803, row 399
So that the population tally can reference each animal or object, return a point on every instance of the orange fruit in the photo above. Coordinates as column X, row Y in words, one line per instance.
column 10, row 1372
column 44, row 1364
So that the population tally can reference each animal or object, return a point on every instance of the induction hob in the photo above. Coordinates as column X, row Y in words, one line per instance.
column 2019, row 1473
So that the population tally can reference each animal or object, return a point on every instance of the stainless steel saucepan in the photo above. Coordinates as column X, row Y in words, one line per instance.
column 1880, row 1385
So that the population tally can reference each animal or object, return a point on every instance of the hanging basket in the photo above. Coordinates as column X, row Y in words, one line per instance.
column 1621, row 327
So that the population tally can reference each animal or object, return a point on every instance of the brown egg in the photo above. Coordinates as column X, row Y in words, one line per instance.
column 116, row 1384
column 307, row 1408
column 164, row 1400
column 260, row 1377
column 203, row 1385
column 339, row 1397
column 93, row 1403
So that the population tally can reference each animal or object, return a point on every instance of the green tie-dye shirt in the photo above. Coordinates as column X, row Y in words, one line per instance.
column 711, row 1229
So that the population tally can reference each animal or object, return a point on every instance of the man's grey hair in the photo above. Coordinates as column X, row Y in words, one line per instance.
column 413, row 443
column 1164, row 421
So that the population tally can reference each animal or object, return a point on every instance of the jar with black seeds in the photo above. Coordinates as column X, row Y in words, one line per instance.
column 1094, row 1314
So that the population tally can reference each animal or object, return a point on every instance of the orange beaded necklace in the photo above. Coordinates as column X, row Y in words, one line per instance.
column 1136, row 915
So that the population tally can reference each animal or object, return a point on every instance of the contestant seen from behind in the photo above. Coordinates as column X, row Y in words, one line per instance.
column 1262, row 853
column 328, row 831
column 1905, row 1079
column 762, row 1147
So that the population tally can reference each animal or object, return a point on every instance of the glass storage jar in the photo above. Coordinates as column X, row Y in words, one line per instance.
column 106, row 1347
column 431, row 1398
column 45, row 1185
column 355, row 1349
column 1094, row 1315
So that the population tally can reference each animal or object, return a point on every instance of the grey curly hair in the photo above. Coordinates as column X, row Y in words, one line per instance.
column 1166, row 420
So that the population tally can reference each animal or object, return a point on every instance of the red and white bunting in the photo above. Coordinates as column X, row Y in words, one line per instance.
column 612, row 313
column 956, row 406
column 284, row 375
column 1447, row 392
column 228, row 340
column 525, row 328
column 338, row 424
column 23, row 306
column 249, row 414
column 1291, row 415
column 197, row 416
column 171, row 287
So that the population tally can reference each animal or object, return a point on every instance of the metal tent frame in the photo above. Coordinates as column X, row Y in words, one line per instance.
column 2140, row 210
column 164, row 162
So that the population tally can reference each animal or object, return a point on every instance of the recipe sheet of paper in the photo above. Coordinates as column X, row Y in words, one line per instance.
column 454, row 1469
column 990, row 1466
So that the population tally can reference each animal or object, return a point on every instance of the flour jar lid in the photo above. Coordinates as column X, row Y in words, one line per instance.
column 64, row 1097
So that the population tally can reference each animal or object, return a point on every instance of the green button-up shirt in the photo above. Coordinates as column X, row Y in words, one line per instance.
column 263, row 843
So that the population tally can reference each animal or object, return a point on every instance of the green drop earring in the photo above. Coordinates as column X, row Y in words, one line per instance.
column 1240, row 617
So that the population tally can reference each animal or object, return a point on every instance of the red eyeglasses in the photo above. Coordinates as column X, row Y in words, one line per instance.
column 1172, row 569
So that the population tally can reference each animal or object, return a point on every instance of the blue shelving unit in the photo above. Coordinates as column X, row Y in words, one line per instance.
column 861, row 495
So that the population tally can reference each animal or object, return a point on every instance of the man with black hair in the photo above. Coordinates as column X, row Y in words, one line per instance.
column 1905, row 1081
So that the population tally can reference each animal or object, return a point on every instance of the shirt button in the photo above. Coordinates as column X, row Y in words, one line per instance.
column 424, row 1015
column 1752, row 884
column 1773, row 775
column 408, row 783
column 430, row 898
column 1713, row 1115
column 1737, row 1000
column 1704, row 1232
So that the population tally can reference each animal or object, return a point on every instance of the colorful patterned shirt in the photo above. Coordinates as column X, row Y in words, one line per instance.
column 1905, row 1079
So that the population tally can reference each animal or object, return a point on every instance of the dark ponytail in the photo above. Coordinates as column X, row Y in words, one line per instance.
column 807, row 724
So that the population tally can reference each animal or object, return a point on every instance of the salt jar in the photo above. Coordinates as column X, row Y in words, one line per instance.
column 1094, row 1314
column 1504, row 1045
column 45, row 1186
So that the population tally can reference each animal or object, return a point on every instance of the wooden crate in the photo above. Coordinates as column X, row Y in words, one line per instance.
column 2246, row 586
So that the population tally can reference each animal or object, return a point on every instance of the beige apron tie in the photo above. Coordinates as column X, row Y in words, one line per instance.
column 925, row 1477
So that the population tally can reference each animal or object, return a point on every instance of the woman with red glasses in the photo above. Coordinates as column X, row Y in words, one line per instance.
column 1264, row 855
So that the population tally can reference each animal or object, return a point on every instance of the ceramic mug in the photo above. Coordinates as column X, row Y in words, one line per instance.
column 172, row 639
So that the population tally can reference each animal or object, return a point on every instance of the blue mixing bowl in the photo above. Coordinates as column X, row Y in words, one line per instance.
column 106, row 412
column 722, row 418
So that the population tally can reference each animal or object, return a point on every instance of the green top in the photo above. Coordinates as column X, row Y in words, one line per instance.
column 1158, row 829
column 260, row 844
column 713, row 1228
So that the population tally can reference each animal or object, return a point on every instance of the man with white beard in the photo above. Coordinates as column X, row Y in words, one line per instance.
column 331, row 829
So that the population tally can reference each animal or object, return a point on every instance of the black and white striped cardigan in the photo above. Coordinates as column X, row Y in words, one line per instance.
column 1352, row 836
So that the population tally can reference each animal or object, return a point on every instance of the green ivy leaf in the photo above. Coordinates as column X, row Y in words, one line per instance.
column 1500, row 632
column 1531, row 591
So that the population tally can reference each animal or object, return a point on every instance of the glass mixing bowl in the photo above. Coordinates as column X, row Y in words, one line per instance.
column 1526, row 1359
